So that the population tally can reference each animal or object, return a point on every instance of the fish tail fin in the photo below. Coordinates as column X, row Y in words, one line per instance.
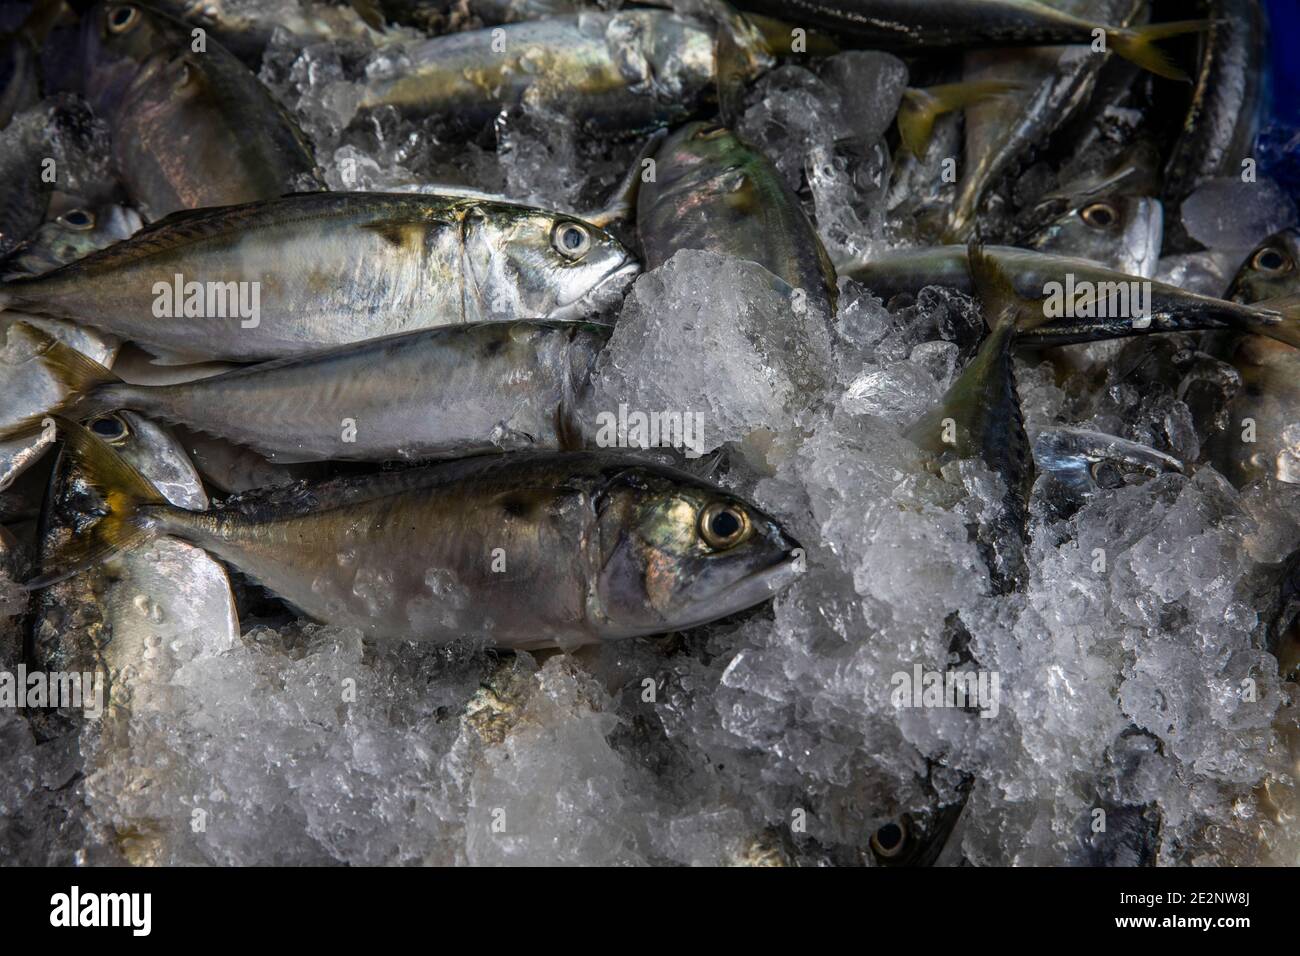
column 1138, row 45
column 79, row 375
column 1005, row 310
column 922, row 106
column 1282, row 318
column 125, row 492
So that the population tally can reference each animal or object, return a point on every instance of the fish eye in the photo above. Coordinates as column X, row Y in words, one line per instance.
column 1099, row 215
column 1107, row 475
column 571, row 240
column 123, row 19
column 723, row 525
column 1273, row 260
column 110, row 428
column 888, row 842
column 81, row 219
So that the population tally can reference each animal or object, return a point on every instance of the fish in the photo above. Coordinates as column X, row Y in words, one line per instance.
column 76, row 230
column 979, row 417
column 713, row 191
column 320, row 269
column 529, row 549
column 1262, row 435
column 1226, row 108
column 1055, row 82
column 929, row 25
column 619, row 73
column 434, row 393
column 189, row 128
column 1172, row 309
column 134, row 620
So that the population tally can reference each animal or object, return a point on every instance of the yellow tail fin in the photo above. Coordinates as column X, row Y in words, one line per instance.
column 1138, row 45
column 124, row 491
column 921, row 107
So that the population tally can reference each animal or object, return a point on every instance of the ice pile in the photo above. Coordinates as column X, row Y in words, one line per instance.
column 717, row 338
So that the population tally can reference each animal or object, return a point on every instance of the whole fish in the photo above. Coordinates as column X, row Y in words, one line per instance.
column 1098, row 300
column 292, row 275
column 615, row 73
column 189, row 127
column 926, row 25
column 1226, row 109
column 1262, row 436
column 133, row 620
column 1054, row 82
column 531, row 550
column 714, row 192
column 444, row 392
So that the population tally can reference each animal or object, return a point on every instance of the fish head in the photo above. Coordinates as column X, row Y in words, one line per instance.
column 1271, row 270
column 119, row 41
column 1122, row 232
column 1087, row 462
column 692, row 163
column 77, row 229
column 154, row 452
column 529, row 263
column 675, row 553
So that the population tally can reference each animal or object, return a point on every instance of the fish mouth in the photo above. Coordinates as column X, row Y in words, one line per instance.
column 752, row 589
column 602, row 296
column 1145, row 238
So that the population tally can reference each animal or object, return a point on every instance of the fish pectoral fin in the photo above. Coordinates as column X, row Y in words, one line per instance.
column 922, row 107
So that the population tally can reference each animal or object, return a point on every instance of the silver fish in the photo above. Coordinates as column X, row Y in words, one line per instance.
column 442, row 393
column 292, row 275
column 530, row 550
